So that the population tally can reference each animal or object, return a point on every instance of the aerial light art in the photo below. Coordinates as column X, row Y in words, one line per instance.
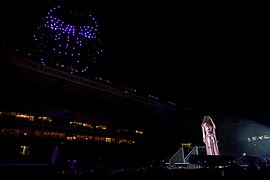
column 68, row 38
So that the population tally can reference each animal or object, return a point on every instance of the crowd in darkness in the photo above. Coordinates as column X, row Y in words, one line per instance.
column 153, row 170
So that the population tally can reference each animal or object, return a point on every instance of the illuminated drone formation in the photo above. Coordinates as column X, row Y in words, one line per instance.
column 68, row 39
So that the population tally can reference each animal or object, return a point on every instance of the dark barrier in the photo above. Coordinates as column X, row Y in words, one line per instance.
column 210, row 160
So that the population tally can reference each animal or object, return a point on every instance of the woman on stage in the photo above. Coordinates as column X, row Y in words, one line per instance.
column 209, row 136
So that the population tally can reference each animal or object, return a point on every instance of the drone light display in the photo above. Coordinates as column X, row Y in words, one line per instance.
column 68, row 39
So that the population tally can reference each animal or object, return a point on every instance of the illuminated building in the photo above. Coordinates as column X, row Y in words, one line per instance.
column 44, row 104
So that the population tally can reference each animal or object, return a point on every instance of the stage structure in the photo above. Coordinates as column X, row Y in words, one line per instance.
column 194, row 159
column 181, row 160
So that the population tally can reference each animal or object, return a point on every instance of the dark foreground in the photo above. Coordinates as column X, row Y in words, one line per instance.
column 47, row 172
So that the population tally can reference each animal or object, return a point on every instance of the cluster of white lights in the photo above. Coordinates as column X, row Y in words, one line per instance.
column 153, row 97
column 255, row 138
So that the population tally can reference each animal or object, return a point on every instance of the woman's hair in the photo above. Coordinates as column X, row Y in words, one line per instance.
column 208, row 120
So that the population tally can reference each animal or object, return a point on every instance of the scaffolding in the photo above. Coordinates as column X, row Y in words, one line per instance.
column 180, row 160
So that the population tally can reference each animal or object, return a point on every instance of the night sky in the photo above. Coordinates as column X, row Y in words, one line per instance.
column 208, row 57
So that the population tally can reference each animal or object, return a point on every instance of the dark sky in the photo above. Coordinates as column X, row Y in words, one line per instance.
column 210, row 57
